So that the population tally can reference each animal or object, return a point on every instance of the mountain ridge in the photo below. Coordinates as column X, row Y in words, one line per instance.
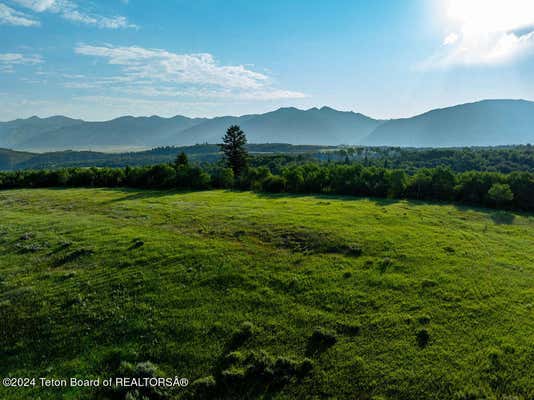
column 487, row 122
column 284, row 125
column 480, row 123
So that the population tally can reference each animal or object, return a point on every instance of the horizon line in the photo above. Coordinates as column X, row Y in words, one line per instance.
column 267, row 112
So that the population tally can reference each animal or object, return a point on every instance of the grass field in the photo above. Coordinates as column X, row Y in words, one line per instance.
column 259, row 296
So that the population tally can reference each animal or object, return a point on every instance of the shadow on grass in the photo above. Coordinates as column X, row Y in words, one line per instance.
column 498, row 216
column 503, row 218
column 140, row 194
column 378, row 201
column 324, row 196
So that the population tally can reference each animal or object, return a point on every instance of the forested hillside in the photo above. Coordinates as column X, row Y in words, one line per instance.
column 495, row 159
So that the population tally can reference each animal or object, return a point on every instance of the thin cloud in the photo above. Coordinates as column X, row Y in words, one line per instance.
column 160, row 73
column 9, row 16
column 141, row 63
column 9, row 60
column 70, row 11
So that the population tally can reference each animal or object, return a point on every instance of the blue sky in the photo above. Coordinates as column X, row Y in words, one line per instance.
column 385, row 58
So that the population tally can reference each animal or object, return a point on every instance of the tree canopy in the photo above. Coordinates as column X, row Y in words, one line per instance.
column 233, row 147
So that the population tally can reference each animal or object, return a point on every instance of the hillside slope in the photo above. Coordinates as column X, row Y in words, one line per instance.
column 278, row 297
column 485, row 123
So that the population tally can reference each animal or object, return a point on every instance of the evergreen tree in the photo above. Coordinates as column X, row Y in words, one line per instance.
column 181, row 159
column 233, row 147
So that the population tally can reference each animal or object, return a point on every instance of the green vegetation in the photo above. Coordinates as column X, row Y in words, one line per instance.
column 233, row 148
column 512, row 191
column 503, row 159
column 263, row 295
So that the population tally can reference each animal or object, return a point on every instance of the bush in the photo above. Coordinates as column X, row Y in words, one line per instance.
column 204, row 387
column 241, row 335
column 250, row 375
column 232, row 377
column 274, row 184
column 354, row 250
column 500, row 194
column 284, row 368
column 140, row 370
column 483, row 188
column 305, row 367
column 234, row 357
column 223, row 178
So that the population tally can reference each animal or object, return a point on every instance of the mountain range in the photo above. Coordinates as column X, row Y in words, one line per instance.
column 483, row 123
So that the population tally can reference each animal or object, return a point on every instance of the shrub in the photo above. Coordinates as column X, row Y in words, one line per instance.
column 305, row 367
column 223, row 178
column 274, row 184
column 500, row 194
column 354, row 250
column 241, row 335
column 204, row 387
column 26, row 236
column 140, row 370
column 250, row 375
column 284, row 368
column 512, row 190
column 233, row 358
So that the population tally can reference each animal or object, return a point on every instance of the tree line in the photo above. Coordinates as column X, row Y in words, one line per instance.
column 503, row 159
column 491, row 189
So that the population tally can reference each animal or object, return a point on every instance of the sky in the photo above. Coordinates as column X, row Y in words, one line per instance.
column 101, row 59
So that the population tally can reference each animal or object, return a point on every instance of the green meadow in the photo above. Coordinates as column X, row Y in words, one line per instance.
column 265, row 296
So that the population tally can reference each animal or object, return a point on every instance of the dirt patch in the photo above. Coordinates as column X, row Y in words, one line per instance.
column 307, row 241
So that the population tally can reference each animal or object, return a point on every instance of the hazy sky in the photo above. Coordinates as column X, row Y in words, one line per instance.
column 385, row 58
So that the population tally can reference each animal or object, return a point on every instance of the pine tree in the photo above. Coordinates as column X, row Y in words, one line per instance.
column 181, row 159
column 233, row 147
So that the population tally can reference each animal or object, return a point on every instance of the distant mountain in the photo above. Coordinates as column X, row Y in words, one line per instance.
column 210, row 131
column 286, row 125
column 484, row 123
column 324, row 126
column 120, row 132
column 13, row 133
